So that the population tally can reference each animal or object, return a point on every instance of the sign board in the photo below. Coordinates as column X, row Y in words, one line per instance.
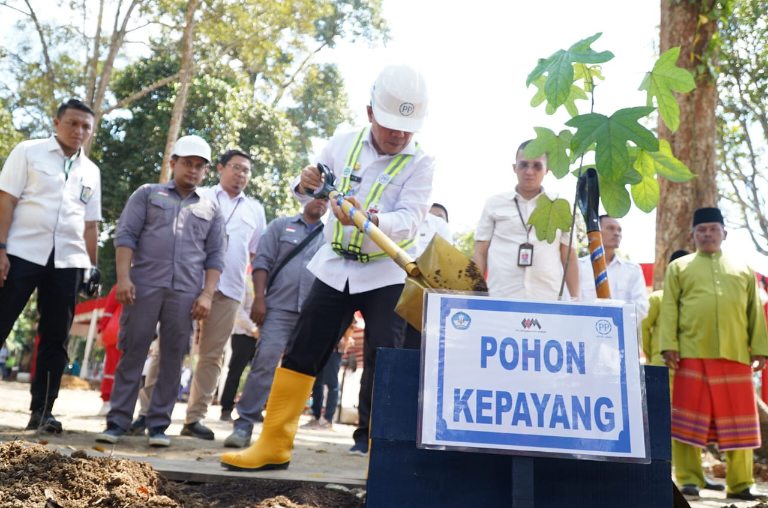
column 532, row 378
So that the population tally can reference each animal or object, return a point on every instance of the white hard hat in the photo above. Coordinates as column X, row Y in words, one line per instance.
column 189, row 146
column 399, row 98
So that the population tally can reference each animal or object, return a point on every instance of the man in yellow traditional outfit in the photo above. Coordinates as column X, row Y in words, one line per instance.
column 713, row 334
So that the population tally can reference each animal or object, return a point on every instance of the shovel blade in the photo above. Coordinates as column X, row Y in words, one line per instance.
column 442, row 266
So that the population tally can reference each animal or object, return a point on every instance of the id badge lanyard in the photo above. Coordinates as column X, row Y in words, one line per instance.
column 525, row 251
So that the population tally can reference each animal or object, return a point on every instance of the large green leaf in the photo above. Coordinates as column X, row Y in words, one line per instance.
column 662, row 162
column 549, row 216
column 559, row 69
column 610, row 136
column 555, row 146
column 666, row 78
column 646, row 194
column 615, row 198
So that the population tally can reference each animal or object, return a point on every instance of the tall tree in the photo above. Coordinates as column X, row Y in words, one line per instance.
column 692, row 25
column 186, row 73
column 743, row 118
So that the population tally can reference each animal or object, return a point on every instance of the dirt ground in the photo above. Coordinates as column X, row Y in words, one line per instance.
column 72, row 470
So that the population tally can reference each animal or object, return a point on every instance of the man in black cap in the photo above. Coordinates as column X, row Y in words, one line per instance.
column 713, row 335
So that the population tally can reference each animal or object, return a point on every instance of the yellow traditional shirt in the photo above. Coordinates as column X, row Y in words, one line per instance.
column 711, row 309
column 650, row 329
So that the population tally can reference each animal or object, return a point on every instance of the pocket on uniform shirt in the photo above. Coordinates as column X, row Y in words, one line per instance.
column 160, row 208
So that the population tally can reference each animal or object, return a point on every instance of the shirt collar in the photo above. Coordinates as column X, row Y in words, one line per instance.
column 171, row 185
column 410, row 148
column 218, row 189
column 53, row 146
column 511, row 195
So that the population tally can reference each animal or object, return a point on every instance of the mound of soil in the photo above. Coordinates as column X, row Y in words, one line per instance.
column 33, row 475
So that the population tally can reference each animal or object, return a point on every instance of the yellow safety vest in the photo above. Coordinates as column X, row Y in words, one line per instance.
column 352, row 249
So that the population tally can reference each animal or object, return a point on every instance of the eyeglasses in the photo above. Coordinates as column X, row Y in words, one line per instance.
column 239, row 168
column 535, row 165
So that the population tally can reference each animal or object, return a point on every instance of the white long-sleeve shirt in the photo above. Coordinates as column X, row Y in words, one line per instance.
column 625, row 279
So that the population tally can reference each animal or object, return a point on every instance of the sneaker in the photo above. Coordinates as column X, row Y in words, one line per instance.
column 240, row 438
column 104, row 409
column 111, row 435
column 157, row 438
column 226, row 415
column 197, row 430
column 138, row 426
column 360, row 448
column 312, row 424
column 44, row 423
column 325, row 424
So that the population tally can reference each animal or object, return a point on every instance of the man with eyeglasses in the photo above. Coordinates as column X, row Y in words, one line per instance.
column 169, row 244
column 518, row 264
column 244, row 223
column 50, row 207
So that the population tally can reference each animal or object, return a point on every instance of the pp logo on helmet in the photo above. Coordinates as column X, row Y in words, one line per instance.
column 407, row 109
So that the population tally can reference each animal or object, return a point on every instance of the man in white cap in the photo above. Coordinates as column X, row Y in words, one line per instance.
column 387, row 175
column 169, row 244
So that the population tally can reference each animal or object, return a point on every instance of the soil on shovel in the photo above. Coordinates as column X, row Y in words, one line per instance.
column 33, row 475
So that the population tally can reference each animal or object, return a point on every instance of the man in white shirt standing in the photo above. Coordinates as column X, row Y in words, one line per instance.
column 517, row 263
column 434, row 223
column 384, row 173
column 50, row 207
column 625, row 278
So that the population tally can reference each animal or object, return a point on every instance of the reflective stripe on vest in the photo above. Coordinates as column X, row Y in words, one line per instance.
column 352, row 250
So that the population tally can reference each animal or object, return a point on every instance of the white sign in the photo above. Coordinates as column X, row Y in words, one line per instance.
column 532, row 378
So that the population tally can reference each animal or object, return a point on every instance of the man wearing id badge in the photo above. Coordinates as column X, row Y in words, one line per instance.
column 518, row 265
column 50, row 207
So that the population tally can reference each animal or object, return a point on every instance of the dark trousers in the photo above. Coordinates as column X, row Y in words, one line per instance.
column 325, row 312
column 56, row 297
column 243, row 349
column 328, row 377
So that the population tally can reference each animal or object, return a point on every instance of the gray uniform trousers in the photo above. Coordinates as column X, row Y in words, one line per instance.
column 137, row 329
column 274, row 335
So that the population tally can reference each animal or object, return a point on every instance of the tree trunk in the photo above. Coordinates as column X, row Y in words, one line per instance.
column 694, row 141
column 185, row 77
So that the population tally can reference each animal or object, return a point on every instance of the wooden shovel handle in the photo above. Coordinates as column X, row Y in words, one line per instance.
column 599, row 268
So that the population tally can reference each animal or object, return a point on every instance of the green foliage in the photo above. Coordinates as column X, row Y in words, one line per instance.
column 555, row 146
column 549, row 216
column 610, row 135
column 666, row 78
column 559, row 69
column 625, row 152
column 9, row 136
column 465, row 242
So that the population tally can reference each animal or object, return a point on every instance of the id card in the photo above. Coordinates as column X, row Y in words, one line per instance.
column 525, row 255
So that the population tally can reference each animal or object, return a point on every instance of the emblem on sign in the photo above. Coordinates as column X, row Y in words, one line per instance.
column 461, row 320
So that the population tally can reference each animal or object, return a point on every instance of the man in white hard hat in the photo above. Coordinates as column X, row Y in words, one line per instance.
column 387, row 175
column 169, row 244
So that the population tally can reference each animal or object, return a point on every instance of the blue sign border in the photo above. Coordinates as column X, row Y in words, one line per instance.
column 467, row 437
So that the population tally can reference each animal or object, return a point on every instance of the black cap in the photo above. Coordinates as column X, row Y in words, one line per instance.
column 703, row 215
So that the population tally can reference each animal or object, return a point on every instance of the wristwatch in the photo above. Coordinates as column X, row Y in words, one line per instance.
column 3, row 246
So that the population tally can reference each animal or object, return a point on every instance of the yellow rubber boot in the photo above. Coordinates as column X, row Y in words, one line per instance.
column 289, row 394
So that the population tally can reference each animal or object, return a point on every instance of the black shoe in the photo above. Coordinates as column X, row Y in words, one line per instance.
column 690, row 490
column 46, row 423
column 197, row 430
column 138, row 426
column 226, row 415
column 157, row 438
column 713, row 486
column 746, row 495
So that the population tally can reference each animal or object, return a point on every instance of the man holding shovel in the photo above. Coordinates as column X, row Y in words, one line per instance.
column 384, row 173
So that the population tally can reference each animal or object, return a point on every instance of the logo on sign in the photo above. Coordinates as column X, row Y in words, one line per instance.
column 603, row 327
column 461, row 320
column 407, row 109
column 529, row 323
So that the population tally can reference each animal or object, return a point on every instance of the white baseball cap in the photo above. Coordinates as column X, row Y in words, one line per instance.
column 399, row 98
column 192, row 146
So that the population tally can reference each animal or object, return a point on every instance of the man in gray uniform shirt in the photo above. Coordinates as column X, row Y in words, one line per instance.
column 276, row 306
column 169, row 245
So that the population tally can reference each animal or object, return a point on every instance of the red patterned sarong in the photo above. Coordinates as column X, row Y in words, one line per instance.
column 714, row 402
